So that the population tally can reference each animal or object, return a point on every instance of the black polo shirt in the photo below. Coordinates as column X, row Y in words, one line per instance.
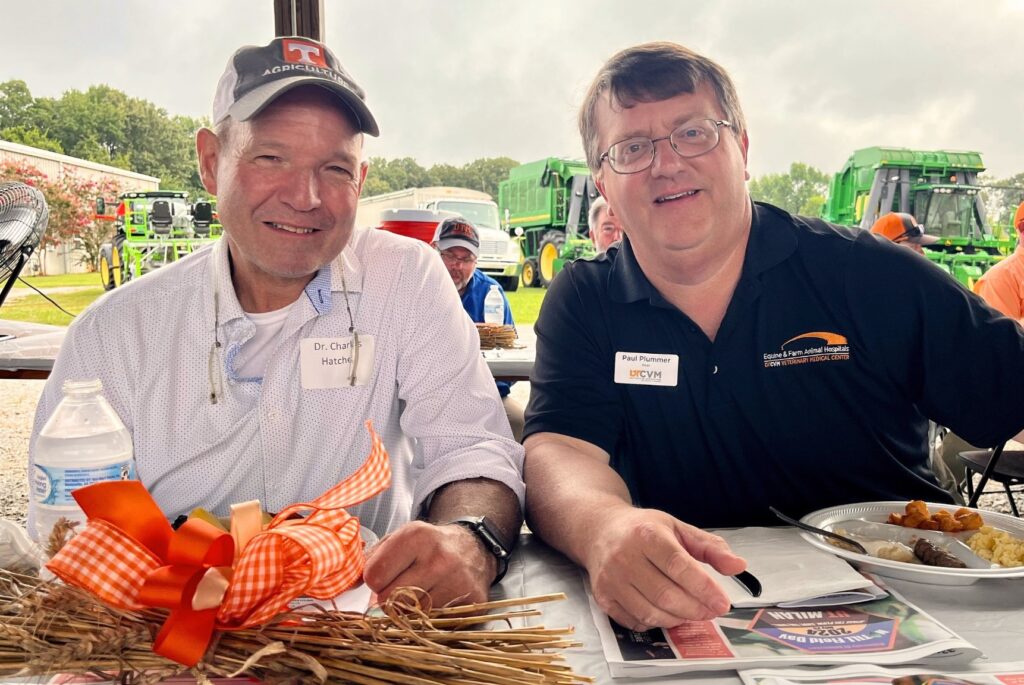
column 835, row 349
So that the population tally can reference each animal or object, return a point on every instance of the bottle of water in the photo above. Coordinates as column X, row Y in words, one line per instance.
column 494, row 306
column 83, row 442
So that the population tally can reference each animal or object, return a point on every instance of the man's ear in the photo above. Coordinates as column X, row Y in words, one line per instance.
column 363, row 168
column 745, row 146
column 208, row 152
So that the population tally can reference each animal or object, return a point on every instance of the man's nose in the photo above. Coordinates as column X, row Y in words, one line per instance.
column 302, row 191
column 667, row 162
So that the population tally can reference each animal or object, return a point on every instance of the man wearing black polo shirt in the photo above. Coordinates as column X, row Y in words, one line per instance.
column 729, row 356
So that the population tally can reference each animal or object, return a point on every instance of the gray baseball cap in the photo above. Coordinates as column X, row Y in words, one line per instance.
column 257, row 75
column 457, row 232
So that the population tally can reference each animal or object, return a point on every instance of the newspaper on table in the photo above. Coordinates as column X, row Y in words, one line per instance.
column 888, row 631
column 975, row 674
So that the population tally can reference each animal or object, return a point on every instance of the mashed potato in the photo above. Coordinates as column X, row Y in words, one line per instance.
column 997, row 546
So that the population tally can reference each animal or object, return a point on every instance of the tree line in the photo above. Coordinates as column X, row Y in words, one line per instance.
column 105, row 125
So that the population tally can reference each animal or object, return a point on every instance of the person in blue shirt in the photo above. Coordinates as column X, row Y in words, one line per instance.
column 458, row 243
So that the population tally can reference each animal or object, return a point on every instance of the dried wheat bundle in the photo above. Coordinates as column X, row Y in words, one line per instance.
column 50, row 628
column 493, row 335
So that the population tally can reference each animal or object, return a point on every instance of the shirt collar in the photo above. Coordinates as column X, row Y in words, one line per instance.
column 224, row 296
column 319, row 290
column 770, row 243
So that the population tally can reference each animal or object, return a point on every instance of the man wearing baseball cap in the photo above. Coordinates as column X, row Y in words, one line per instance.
column 903, row 229
column 1002, row 286
column 458, row 242
column 247, row 370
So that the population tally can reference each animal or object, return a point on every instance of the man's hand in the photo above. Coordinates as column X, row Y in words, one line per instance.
column 644, row 569
column 448, row 561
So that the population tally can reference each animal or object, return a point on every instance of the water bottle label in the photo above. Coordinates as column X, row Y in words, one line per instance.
column 53, row 485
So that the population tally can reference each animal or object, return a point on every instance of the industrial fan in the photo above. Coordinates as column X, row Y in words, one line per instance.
column 23, row 217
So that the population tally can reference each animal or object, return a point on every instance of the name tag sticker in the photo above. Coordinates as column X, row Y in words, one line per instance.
column 647, row 368
column 327, row 362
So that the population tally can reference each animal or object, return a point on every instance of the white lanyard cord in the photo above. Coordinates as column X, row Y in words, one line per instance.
column 215, row 373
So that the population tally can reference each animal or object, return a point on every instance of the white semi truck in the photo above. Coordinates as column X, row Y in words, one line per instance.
column 500, row 256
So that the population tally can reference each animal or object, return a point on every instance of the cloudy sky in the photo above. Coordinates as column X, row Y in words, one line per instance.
column 454, row 80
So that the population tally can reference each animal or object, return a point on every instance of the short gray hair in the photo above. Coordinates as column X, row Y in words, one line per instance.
column 222, row 129
column 650, row 73
column 595, row 208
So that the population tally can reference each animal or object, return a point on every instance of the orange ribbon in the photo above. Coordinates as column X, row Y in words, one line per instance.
column 130, row 557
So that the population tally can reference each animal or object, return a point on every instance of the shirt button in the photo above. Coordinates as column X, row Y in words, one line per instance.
column 273, row 415
column 714, row 369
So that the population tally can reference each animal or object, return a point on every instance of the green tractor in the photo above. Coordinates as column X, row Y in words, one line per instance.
column 546, row 204
column 940, row 188
column 154, row 228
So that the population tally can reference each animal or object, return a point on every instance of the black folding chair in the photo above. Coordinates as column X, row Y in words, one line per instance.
column 997, row 464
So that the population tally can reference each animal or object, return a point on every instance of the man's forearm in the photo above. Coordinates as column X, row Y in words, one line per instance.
column 479, row 497
column 569, row 492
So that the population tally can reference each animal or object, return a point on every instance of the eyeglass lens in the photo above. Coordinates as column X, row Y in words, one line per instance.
column 452, row 259
column 692, row 139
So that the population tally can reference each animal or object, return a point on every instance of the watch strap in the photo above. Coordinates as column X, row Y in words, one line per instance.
column 488, row 537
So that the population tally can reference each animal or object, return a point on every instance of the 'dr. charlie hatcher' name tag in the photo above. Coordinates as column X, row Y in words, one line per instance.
column 327, row 362
column 647, row 368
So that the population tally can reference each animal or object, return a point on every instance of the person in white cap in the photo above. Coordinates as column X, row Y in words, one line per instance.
column 247, row 371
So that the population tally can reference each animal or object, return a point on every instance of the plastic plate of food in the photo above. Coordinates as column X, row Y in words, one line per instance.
column 955, row 546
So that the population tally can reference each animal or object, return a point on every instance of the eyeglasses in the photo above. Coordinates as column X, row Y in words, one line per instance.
column 692, row 139
column 451, row 259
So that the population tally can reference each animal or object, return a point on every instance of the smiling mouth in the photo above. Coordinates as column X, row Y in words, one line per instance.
column 290, row 229
column 676, row 196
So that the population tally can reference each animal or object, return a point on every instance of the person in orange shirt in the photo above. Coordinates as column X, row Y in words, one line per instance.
column 1002, row 286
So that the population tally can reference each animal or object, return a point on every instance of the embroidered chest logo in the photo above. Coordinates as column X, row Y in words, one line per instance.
column 807, row 348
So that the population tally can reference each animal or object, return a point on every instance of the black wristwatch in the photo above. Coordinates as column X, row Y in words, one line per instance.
column 486, row 533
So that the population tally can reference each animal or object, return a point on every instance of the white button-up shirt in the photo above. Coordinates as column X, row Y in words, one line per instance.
column 430, row 395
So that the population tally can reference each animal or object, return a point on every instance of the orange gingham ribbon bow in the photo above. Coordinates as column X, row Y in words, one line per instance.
column 130, row 557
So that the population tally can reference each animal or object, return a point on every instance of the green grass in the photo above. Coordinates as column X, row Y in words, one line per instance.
column 62, row 281
column 525, row 304
column 34, row 309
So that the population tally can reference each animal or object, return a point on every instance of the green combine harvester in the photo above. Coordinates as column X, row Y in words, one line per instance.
column 546, row 203
column 154, row 228
column 939, row 188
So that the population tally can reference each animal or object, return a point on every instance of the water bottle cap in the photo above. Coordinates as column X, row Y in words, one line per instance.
column 79, row 388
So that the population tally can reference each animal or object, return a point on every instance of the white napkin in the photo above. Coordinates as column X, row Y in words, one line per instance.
column 791, row 571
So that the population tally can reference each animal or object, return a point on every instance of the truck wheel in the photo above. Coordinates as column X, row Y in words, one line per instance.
column 116, row 267
column 550, row 250
column 530, row 279
column 106, row 272
column 508, row 283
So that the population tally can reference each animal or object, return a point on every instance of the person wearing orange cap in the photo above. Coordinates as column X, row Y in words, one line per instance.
column 1002, row 286
column 903, row 229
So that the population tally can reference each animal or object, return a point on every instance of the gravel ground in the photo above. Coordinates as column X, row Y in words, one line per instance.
column 19, row 399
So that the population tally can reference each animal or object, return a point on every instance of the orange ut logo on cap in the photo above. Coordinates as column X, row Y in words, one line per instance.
column 461, row 229
column 299, row 52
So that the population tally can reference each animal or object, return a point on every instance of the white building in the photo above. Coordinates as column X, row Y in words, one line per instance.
column 62, row 259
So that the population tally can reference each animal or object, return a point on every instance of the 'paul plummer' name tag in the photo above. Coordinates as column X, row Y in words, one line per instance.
column 647, row 368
